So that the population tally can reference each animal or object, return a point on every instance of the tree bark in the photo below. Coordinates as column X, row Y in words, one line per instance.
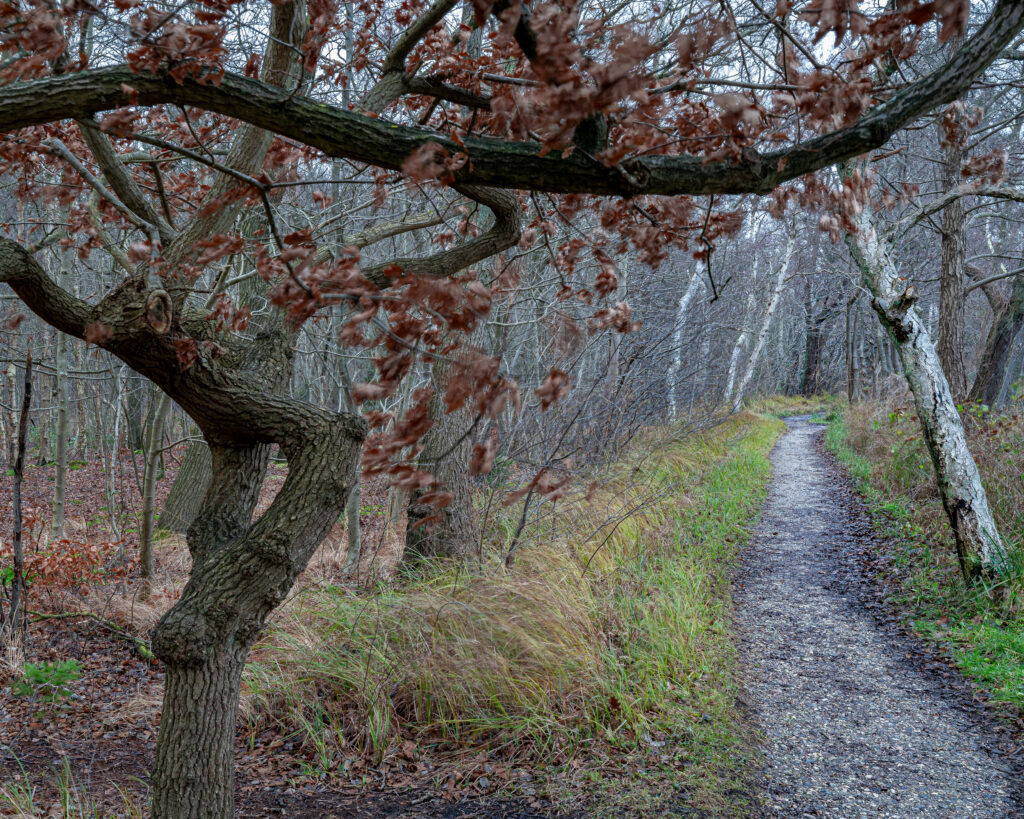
column 851, row 350
column 980, row 548
column 741, row 341
column 677, row 342
column 449, row 531
column 954, row 253
column 16, row 619
column 240, row 569
column 199, row 783
column 188, row 490
column 151, row 455
column 766, row 323
column 60, row 460
column 997, row 354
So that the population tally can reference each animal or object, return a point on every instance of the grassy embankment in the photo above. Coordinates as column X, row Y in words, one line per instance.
column 784, row 406
column 981, row 628
column 605, row 659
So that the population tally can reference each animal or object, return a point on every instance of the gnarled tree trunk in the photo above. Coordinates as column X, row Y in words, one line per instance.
column 243, row 571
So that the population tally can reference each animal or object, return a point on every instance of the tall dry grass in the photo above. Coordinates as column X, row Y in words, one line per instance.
column 612, row 628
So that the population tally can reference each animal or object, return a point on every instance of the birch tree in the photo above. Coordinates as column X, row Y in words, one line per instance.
column 766, row 320
column 979, row 546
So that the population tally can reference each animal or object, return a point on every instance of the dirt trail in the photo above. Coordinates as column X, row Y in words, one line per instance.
column 852, row 725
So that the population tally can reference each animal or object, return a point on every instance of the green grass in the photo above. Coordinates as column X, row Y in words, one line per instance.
column 980, row 628
column 610, row 642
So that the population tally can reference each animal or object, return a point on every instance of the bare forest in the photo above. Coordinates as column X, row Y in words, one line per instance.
column 511, row 409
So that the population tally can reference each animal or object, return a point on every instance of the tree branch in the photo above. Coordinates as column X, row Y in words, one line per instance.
column 1009, row 274
column 508, row 164
column 994, row 192
column 504, row 233
column 120, row 180
column 44, row 297
column 406, row 42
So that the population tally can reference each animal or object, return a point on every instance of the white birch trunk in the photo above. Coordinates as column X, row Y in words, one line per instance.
column 677, row 342
column 979, row 546
column 741, row 341
column 766, row 323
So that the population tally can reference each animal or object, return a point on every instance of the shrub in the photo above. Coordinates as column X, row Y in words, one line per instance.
column 48, row 680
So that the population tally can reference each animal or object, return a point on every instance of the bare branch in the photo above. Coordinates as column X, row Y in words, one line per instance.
column 992, row 191
column 44, row 297
column 395, row 61
column 503, row 234
column 120, row 180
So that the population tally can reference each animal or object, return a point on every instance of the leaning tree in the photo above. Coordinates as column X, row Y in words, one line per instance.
column 647, row 117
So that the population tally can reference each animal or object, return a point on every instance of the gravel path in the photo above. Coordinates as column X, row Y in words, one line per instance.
column 852, row 726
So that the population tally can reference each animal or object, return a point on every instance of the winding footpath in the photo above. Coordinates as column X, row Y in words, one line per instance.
column 852, row 726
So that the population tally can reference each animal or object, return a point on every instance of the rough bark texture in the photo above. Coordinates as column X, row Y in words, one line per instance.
column 203, row 780
column 978, row 543
column 188, row 490
column 954, row 253
column 241, row 569
column 151, row 456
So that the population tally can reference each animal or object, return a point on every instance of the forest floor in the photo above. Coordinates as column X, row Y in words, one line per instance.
column 87, row 756
column 858, row 718
column 96, row 749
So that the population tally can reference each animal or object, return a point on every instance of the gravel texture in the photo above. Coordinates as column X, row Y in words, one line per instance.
column 852, row 724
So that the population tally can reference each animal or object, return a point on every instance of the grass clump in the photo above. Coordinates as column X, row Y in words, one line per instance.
column 981, row 627
column 610, row 639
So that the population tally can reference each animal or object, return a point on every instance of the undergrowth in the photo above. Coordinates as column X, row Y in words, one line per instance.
column 608, row 644
column 980, row 627
column 65, row 798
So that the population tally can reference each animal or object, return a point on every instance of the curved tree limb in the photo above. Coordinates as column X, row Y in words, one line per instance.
column 509, row 164
column 120, row 180
column 992, row 191
column 504, row 233
column 407, row 40
column 41, row 294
